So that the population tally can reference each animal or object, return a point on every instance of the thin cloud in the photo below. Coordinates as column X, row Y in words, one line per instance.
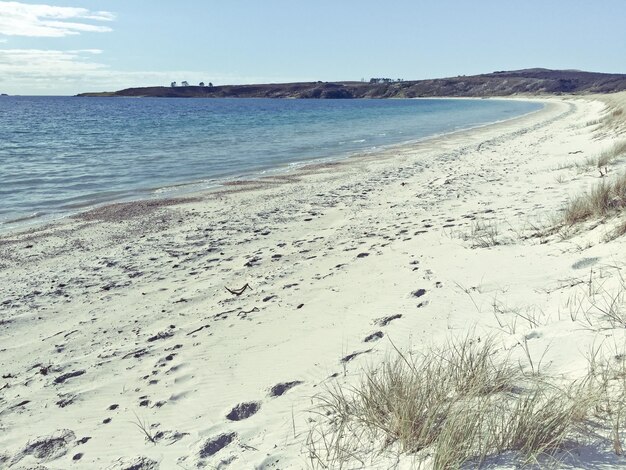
column 35, row 63
column 22, row 19
column 37, row 71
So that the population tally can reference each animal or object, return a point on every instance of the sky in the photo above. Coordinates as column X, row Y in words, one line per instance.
column 66, row 47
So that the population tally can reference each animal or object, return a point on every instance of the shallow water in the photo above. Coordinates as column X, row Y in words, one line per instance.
column 62, row 154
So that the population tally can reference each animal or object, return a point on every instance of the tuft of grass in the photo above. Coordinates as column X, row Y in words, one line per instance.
column 535, row 425
column 144, row 428
column 619, row 231
column 611, row 306
column 613, row 118
column 566, row 166
column 472, row 366
column 539, row 421
column 604, row 199
column 560, row 178
column 483, row 234
column 609, row 156
column 601, row 162
column 609, row 375
column 589, row 162
column 600, row 302
column 583, row 166
column 460, row 404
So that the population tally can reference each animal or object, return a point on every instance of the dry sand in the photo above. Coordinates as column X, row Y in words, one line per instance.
column 121, row 316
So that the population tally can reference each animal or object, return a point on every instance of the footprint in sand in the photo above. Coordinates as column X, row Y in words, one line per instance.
column 349, row 357
column 47, row 448
column 282, row 388
column 418, row 292
column 384, row 321
column 136, row 463
column 584, row 263
column 214, row 445
column 243, row 411
column 374, row 337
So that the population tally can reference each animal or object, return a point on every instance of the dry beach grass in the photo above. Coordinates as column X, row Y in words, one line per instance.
column 605, row 198
column 461, row 404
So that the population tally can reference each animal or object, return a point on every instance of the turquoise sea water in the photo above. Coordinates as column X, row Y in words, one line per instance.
column 59, row 155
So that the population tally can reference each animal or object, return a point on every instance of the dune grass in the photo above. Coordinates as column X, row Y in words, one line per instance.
column 609, row 375
column 619, row 231
column 609, row 197
column 606, row 198
column 614, row 117
column 610, row 155
column 599, row 303
column 601, row 162
column 483, row 233
column 457, row 405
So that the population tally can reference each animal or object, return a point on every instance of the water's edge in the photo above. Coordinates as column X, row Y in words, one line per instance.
column 197, row 188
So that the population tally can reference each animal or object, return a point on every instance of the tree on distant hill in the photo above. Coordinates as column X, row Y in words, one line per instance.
column 385, row 80
column 173, row 84
column 210, row 85
column 184, row 83
column 201, row 84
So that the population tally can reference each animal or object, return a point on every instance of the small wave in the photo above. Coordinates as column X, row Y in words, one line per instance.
column 23, row 218
column 172, row 187
column 87, row 200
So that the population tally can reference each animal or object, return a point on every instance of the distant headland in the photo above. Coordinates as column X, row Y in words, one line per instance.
column 503, row 83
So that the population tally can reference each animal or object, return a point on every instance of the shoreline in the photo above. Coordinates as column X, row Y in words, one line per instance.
column 125, row 315
column 36, row 222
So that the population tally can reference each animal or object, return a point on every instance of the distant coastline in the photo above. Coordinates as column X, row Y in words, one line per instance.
column 502, row 83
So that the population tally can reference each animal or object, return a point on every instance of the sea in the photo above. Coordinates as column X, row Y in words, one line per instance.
column 62, row 155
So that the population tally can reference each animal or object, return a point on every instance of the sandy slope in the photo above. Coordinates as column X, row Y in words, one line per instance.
column 122, row 314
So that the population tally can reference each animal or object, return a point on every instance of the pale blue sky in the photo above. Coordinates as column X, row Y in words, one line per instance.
column 65, row 47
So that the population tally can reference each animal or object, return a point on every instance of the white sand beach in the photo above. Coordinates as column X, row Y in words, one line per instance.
column 121, row 316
